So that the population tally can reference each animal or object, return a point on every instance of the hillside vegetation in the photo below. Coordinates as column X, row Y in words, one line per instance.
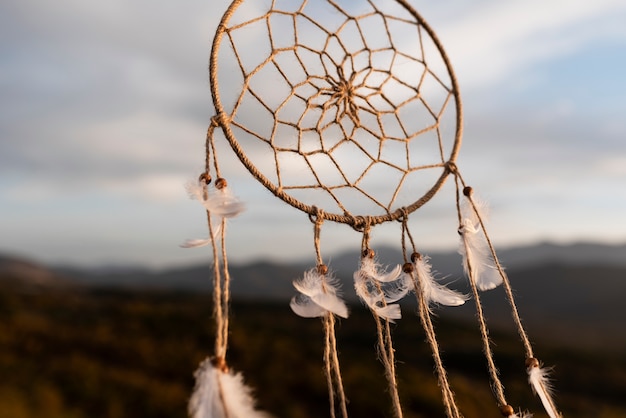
column 75, row 352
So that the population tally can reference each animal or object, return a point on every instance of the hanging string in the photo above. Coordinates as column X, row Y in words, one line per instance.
column 334, row 380
column 452, row 410
column 221, row 277
column 385, row 341
column 496, row 384
column 210, row 145
column 505, row 281
column 225, row 288
column 539, row 385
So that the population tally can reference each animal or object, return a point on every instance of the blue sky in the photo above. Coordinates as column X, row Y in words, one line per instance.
column 104, row 106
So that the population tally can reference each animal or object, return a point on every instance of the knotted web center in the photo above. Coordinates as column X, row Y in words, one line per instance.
column 342, row 93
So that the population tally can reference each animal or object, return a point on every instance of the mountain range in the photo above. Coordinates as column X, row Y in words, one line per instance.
column 563, row 292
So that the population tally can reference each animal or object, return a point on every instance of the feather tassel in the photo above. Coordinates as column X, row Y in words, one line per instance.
column 509, row 412
column 524, row 414
column 433, row 291
column 195, row 243
column 368, row 283
column 219, row 201
column 318, row 295
column 540, row 383
column 474, row 248
column 221, row 394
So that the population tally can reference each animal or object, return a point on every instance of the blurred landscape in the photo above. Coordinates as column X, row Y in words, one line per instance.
column 124, row 342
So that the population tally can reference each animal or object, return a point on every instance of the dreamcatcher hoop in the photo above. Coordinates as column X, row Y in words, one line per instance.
column 351, row 90
column 350, row 97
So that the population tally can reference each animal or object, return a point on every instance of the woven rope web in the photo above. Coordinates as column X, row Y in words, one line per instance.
column 350, row 107
column 348, row 110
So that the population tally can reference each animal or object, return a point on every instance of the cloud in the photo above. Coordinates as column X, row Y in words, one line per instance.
column 108, row 104
column 496, row 42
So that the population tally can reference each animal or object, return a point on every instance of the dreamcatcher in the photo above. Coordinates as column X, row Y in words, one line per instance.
column 350, row 112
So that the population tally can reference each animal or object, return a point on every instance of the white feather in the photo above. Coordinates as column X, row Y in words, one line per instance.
column 371, row 268
column 220, row 394
column 196, row 189
column 219, row 202
column 331, row 303
column 304, row 306
column 223, row 203
column 238, row 397
column 538, row 379
column 373, row 294
column 195, row 243
column 475, row 251
column 435, row 292
column 320, row 290
column 389, row 312
column 364, row 289
column 398, row 289
column 521, row 415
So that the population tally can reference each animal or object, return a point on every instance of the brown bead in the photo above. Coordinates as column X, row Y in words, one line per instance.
column 467, row 191
column 407, row 268
column 206, row 177
column 532, row 362
column 415, row 257
column 506, row 410
column 220, row 363
column 322, row 269
column 220, row 183
column 368, row 253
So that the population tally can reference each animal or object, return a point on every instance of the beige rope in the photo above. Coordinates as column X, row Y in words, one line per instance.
column 218, row 312
column 505, row 280
column 452, row 410
column 225, row 289
column 383, row 332
column 496, row 384
column 344, row 98
column 530, row 358
column 334, row 380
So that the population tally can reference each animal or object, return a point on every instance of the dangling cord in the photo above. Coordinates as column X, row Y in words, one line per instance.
column 220, row 292
column 385, row 341
column 210, row 145
column 331, row 358
column 452, row 410
column 531, row 362
column 496, row 384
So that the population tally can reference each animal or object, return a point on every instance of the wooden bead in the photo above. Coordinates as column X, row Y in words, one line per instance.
column 507, row 410
column 206, row 177
column 532, row 362
column 467, row 191
column 220, row 364
column 368, row 253
column 415, row 257
column 407, row 268
column 322, row 269
column 220, row 183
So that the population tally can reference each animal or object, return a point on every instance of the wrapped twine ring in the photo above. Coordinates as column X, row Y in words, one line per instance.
column 351, row 107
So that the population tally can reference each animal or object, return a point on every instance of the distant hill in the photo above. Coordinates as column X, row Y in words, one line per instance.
column 22, row 272
column 559, row 290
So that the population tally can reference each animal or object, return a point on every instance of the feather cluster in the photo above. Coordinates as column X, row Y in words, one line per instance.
column 220, row 394
column 524, row 414
column 319, row 294
column 540, row 383
column 219, row 202
column 432, row 291
column 379, row 288
column 477, row 257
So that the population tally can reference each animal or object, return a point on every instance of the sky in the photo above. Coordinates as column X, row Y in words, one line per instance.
column 104, row 108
